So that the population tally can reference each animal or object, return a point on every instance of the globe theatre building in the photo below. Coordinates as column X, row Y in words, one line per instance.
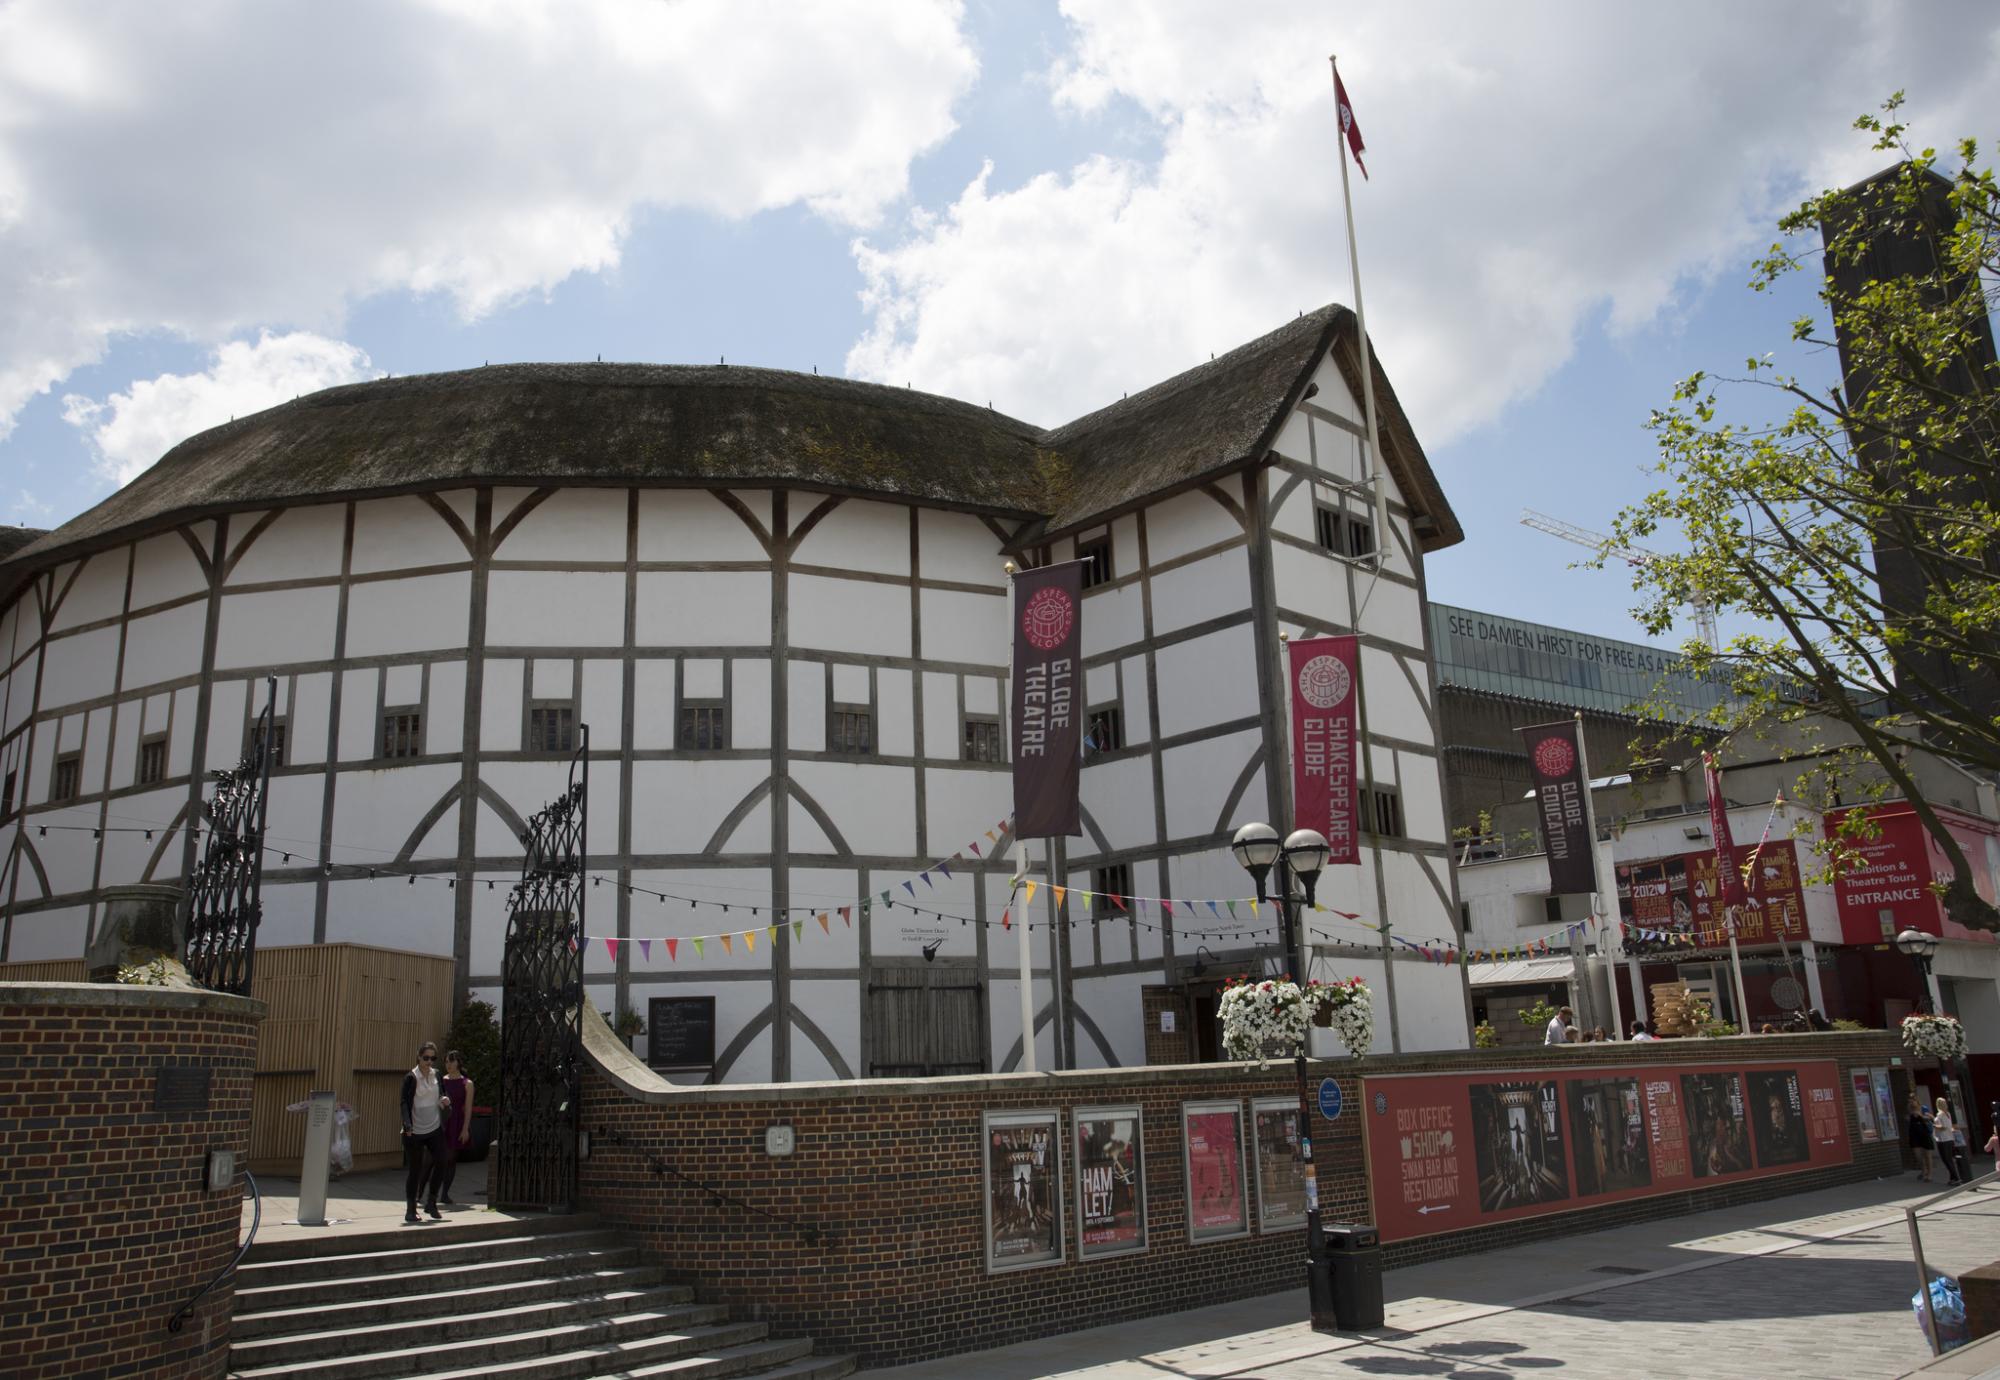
column 778, row 603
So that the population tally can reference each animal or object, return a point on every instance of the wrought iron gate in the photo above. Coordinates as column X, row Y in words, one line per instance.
column 224, row 898
column 541, row 1013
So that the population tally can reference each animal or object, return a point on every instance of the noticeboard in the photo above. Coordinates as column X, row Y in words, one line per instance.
column 680, row 1032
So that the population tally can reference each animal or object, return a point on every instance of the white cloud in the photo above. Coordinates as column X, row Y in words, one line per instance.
column 130, row 430
column 206, row 167
column 1535, row 167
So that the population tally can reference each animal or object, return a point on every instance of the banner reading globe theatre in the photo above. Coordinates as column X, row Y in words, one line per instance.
column 1324, row 674
column 1048, row 732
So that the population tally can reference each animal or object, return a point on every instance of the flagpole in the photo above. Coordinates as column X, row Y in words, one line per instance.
column 1383, row 540
column 1027, row 961
column 1597, row 877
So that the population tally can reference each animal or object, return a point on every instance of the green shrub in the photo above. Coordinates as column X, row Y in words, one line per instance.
column 1484, row 1036
column 475, row 1033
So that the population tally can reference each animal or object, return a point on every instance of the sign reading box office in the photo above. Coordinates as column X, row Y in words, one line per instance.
column 1451, row 1151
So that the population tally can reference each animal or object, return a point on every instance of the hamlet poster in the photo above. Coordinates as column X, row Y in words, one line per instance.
column 1216, row 1190
column 1281, row 1165
column 1023, row 1189
column 1110, row 1181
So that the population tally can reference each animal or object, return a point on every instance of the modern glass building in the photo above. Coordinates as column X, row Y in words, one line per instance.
column 1499, row 655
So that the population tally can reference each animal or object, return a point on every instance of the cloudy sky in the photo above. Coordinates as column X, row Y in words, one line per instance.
column 208, row 207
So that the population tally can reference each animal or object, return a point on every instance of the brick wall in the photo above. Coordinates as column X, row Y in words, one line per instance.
column 892, row 1173
column 106, row 1225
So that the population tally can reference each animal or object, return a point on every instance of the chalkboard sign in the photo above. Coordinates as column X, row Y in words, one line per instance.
column 680, row 1032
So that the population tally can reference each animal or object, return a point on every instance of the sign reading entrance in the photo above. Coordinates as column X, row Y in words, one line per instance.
column 680, row 1032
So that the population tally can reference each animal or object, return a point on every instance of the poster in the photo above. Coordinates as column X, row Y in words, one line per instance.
column 1023, row 1189
column 1212, row 1133
column 1682, row 895
column 1608, row 1128
column 1778, row 1117
column 1451, row 1151
column 1864, row 1108
column 1110, row 1182
column 1517, row 1138
column 1885, row 1103
column 1281, row 1165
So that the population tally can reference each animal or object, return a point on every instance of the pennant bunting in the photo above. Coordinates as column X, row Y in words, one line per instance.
column 749, row 940
column 824, row 928
column 673, row 946
column 727, row 947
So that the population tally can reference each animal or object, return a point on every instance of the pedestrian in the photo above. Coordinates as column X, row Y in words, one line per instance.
column 1598, row 1037
column 1558, row 1031
column 424, row 1109
column 1922, row 1141
column 457, row 1089
column 1640, row 1032
column 1949, row 1146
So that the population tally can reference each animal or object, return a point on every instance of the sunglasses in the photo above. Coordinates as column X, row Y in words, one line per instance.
column 426, row 1058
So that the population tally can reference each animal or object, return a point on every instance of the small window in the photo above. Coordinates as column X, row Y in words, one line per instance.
column 153, row 760
column 1096, row 557
column 982, row 741
column 7, row 797
column 68, row 778
column 851, row 730
column 403, row 733
column 275, row 744
column 1106, row 731
column 1326, row 529
column 1360, row 537
column 703, row 726
column 552, row 728
column 1552, row 909
column 1385, row 811
column 1107, row 882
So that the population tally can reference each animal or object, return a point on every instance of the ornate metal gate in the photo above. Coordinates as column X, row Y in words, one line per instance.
column 224, row 900
column 541, row 1013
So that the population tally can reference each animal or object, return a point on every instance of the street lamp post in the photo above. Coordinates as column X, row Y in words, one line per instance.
column 1302, row 855
column 1920, row 948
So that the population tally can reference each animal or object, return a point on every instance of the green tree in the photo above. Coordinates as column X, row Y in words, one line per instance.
column 1855, row 528
column 476, row 1034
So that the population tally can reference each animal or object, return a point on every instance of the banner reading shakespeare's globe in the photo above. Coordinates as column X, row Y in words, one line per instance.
column 1048, row 705
column 1324, row 673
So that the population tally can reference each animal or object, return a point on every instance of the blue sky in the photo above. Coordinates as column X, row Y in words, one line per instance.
column 207, row 207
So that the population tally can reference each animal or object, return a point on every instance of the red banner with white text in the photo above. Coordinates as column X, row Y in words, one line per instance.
column 1452, row 1151
column 1324, row 672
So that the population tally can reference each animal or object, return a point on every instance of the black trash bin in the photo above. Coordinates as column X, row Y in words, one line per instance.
column 1356, row 1253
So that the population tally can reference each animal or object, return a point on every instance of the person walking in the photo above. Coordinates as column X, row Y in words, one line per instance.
column 424, row 1109
column 1639, row 1032
column 457, row 1089
column 1948, row 1148
column 1922, row 1141
column 1558, row 1031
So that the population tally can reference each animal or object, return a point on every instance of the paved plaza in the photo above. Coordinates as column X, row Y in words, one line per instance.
column 1816, row 1285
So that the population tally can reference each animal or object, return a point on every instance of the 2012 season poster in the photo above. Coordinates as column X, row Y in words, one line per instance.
column 1023, row 1189
column 1213, row 1135
column 1281, row 1165
column 1110, row 1181
column 1449, row 1151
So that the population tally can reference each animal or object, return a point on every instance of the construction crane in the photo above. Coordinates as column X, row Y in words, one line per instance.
column 1704, row 613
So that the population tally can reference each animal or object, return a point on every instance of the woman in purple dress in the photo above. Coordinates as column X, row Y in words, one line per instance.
column 458, row 1122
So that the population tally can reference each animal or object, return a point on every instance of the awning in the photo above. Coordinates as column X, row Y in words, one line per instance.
column 1521, row 971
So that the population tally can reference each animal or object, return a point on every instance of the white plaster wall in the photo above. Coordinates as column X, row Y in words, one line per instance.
column 97, row 593
column 544, row 608
column 857, row 535
column 402, row 533
column 704, row 609
column 585, row 525
column 275, row 628
column 853, row 616
column 962, row 627
column 1189, row 522
column 1207, row 680
column 1212, row 587
column 415, row 614
column 956, row 546
column 300, row 544
column 694, row 525
column 159, row 647
column 166, row 567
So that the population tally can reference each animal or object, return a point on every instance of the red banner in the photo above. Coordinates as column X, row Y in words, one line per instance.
column 1889, row 891
column 1452, row 1151
column 1725, row 845
column 1324, row 673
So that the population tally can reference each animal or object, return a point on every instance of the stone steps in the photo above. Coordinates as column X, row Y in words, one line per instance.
column 539, row 1298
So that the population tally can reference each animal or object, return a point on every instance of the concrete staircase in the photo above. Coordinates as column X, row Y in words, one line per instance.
column 535, row 1298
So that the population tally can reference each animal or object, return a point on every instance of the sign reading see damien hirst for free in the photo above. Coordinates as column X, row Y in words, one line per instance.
column 1324, row 674
column 1048, row 711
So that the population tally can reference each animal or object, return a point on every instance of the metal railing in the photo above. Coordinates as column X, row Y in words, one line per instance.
column 179, row 1319
column 1917, row 1246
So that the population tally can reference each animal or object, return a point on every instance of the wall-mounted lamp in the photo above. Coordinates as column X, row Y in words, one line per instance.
column 1693, row 831
column 1201, row 958
column 931, row 950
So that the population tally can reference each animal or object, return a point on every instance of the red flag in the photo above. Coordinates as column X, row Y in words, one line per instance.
column 1727, row 874
column 1347, row 125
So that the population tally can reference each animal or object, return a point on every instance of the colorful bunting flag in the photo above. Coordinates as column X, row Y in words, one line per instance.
column 672, row 946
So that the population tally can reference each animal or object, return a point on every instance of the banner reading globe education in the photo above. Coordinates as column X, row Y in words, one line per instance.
column 1452, row 1151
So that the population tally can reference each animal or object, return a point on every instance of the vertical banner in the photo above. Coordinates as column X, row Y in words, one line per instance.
column 1557, row 763
column 1324, row 672
column 1727, row 869
column 1048, row 707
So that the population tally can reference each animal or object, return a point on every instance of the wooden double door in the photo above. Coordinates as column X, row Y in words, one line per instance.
column 925, row 1020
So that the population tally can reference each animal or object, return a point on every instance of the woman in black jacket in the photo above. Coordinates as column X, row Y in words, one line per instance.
column 425, row 1107
column 1921, row 1138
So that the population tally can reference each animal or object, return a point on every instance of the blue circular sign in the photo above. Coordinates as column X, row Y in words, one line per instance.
column 1329, row 1098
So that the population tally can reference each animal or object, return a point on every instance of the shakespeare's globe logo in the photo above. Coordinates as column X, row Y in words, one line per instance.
column 1555, row 756
column 1324, row 682
column 1046, row 620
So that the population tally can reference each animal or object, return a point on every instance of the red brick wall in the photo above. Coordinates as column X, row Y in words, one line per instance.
column 106, row 1226
column 892, row 1173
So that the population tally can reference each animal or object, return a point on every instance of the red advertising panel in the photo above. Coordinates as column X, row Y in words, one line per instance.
column 1452, row 1151
column 1325, row 671
column 1889, row 890
column 1681, row 895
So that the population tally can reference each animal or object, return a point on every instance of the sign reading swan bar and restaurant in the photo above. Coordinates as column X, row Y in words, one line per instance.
column 1048, row 709
column 1447, row 1152
column 1556, row 759
column 1324, row 673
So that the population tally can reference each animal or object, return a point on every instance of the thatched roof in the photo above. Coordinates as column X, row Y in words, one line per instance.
column 12, row 539
column 664, row 425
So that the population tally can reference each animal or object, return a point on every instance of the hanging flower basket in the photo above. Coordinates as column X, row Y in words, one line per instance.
column 1934, row 1037
column 1348, row 1009
column 1262, row 1020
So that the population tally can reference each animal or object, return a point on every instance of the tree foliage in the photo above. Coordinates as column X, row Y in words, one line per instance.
column 1855, row 528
